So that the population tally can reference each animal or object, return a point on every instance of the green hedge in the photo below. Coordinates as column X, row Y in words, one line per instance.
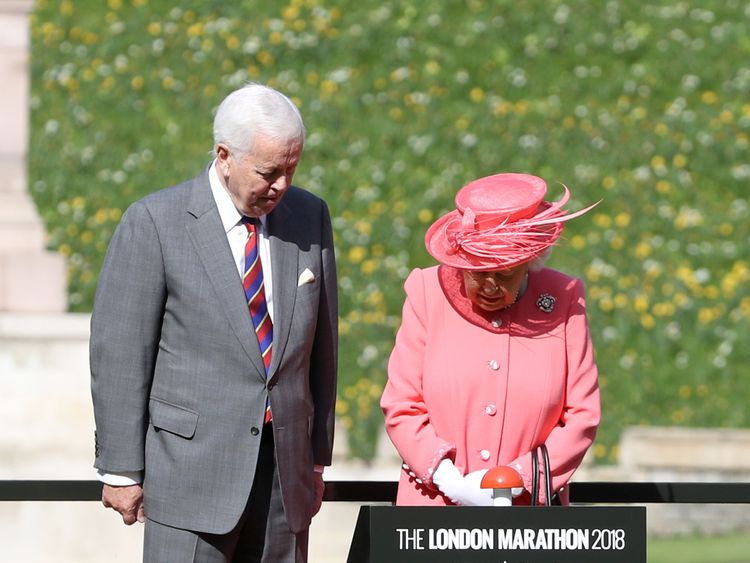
column 644, row 105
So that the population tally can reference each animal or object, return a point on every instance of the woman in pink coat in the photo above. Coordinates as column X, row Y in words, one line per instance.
column 494, row 356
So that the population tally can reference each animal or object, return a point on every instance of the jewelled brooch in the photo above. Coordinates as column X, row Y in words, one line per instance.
column 546, row 302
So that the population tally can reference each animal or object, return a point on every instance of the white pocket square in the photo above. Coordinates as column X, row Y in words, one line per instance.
column 305, row 277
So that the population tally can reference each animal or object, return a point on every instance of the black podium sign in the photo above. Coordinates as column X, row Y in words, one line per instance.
column 556, row 534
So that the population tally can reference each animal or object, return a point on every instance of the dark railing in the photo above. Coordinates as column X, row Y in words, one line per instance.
column 385, row 491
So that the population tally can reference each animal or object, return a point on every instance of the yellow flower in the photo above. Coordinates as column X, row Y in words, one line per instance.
column 663, row 187
column 608, row 182
column 368, row 267
column 265, row 58
column 377, row 207
column 290, row 13
column 328, row 86
column 432, row 67
column 600, row 451
column 232, row 42
column 66, row 8
column 622, row 219
column 709, row 97
column 726, row 117
column 678, row 416
column 357, row 254
column 154, row 28
column 657, row 162
column 476, row 95
column 195, row 30
column 425, row 215
column 602, row 220
column 679, row 160
column 647, row 321
column 578, row 242
column 137, row 82
column 642, row 250
column 664, row 309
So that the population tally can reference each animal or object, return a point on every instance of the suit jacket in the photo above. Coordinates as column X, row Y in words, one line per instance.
column 178, row 383
column 488, row 395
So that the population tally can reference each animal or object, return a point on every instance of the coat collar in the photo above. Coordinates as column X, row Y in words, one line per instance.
column 530, row 316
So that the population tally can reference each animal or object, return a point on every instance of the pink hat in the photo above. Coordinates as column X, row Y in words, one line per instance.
column 499, row 222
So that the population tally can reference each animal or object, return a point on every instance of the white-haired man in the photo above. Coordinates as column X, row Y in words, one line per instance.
column 214, row 350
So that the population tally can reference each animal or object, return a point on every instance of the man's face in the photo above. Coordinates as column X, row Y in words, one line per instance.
column 493, row 291
column 257, row 181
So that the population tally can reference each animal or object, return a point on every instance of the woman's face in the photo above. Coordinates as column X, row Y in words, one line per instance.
column 493, row 291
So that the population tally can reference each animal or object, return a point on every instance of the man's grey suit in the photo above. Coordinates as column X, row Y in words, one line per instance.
column 178, row 382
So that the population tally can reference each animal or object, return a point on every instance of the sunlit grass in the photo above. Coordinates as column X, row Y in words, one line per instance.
column 643, row 105
column 733, row 548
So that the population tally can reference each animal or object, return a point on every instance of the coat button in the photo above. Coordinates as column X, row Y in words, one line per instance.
column 493, row 365
column 497, row 323
column 484, row 454
column 254, row 431
column 490, row 410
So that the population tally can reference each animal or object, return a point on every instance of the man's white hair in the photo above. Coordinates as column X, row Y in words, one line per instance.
column 255, row 110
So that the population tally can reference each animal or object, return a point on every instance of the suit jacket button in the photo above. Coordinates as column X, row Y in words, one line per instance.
column 254, row 431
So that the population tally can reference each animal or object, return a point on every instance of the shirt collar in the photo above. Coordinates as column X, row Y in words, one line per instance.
column 228, row 213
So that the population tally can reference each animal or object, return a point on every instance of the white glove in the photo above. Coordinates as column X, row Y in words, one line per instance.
column 465, row 491
column 474, row 494
column 448, row 480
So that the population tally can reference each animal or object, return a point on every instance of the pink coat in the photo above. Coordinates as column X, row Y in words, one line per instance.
column 489, row 396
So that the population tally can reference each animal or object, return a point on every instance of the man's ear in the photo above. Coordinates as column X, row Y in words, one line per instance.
column 222, row 158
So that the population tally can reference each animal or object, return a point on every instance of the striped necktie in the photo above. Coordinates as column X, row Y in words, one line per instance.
column 252, row 281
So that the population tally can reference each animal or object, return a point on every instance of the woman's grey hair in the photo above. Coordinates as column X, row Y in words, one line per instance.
column 252, row 110
column 538, row 263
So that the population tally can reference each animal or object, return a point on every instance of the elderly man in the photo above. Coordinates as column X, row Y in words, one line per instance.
column 214, row 350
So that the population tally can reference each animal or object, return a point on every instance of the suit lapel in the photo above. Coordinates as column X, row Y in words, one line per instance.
column 284, row 259
column 209, row 239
